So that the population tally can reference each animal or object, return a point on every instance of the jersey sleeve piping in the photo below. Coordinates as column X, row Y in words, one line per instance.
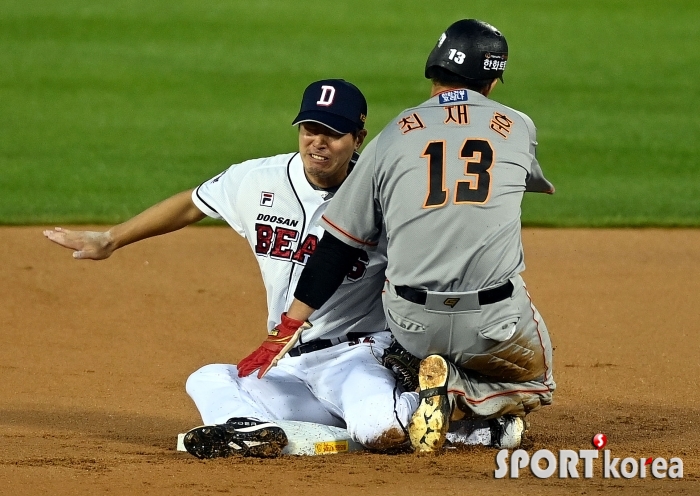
column 347, row 234
column 212, row 209
column 303, row 222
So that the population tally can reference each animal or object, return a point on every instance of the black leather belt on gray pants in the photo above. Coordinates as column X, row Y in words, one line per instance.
column 322, row 344
column 486, row 297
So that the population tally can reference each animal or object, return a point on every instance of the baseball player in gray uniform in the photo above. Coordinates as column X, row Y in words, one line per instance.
column 446, row 179
column 331, row 376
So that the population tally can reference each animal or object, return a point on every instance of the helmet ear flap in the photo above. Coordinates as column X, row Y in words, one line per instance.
column 471, row 49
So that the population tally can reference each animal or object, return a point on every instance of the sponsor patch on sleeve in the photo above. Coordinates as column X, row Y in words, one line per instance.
column 453, row 96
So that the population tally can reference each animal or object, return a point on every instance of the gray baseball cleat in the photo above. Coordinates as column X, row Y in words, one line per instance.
column 238, row 436
column 429, row 424
column 507, row 432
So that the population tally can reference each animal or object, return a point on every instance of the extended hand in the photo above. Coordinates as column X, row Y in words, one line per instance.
column 87, row 244
column 279, row 341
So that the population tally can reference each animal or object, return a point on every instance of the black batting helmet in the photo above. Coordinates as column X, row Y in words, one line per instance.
column 471, row 49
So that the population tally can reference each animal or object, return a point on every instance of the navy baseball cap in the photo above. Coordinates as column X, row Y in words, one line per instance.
column 336, row 104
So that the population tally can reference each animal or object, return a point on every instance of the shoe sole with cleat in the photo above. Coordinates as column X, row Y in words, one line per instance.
column 429, row 424
column 265, row 440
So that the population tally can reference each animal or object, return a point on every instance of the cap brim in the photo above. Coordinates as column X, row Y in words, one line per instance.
column 336, row 123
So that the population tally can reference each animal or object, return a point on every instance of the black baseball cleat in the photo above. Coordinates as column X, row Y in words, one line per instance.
column 429, row 424
column 237, row 437
column 507, row 432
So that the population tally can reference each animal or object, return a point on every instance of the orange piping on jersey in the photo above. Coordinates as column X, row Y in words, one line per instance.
column 504, row 393
column 539, row 335
column 347, row 233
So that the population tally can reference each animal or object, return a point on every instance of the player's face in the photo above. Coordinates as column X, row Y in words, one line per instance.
column 326, row 154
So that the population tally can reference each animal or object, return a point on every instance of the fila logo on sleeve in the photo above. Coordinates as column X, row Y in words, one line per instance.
column 327, row 96
column 266, row 199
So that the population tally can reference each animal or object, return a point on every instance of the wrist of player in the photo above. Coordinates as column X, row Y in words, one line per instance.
column 279, row 341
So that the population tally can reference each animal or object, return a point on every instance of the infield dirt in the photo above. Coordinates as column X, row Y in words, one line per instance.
column 95, row 355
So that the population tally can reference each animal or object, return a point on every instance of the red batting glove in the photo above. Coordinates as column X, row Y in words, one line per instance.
column 279, row 341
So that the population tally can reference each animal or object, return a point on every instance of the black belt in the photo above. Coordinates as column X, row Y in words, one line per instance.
column 486, row 297
column 322, row 344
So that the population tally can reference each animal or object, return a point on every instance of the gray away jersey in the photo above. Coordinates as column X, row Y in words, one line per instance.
column 447, row 179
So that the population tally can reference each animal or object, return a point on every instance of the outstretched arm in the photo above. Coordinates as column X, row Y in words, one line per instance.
column 167, row 216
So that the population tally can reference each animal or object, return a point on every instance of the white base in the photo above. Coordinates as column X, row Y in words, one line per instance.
column 307, row 438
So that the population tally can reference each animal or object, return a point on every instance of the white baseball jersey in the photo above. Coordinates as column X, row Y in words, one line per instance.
column 270, row 202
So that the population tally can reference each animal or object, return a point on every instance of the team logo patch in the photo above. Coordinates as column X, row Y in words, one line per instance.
column 327, row 96
column 451, row 302
column 266, row 199
column 453, row 96
column 495, row 61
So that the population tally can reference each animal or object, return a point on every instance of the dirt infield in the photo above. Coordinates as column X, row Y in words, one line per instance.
column 95, row 355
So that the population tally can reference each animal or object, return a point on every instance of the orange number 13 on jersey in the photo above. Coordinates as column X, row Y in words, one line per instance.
column 478, row 156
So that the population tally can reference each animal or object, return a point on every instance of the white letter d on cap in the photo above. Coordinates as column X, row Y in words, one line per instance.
column 327, row 96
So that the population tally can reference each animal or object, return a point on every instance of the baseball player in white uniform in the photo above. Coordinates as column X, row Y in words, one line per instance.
column 446, row 181
column 333, row 375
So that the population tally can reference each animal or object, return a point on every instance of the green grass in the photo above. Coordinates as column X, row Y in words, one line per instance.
column 107, row 107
